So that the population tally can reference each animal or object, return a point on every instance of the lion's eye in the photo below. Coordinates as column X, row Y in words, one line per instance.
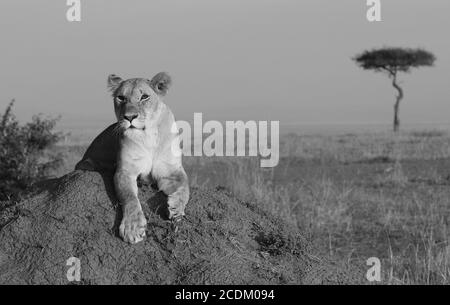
column 144, row 97
column 120, row 98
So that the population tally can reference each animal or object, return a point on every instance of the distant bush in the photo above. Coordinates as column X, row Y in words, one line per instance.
column 24, row 152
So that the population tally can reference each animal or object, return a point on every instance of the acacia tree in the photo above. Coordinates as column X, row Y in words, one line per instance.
column 392, row 61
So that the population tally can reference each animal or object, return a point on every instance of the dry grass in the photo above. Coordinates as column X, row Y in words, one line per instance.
column 425, row 144
column 356, row 196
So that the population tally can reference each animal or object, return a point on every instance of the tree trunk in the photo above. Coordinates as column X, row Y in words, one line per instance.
column 397, row 102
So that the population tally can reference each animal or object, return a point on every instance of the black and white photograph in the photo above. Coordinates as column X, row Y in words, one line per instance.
column 222, row 149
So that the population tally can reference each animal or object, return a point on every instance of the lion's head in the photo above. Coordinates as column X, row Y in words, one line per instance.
column 136, row 100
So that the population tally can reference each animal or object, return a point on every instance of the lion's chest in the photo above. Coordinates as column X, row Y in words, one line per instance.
column 139, row 150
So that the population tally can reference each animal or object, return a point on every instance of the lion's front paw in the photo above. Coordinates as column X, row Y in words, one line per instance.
column 132, row 228
column 175, row 216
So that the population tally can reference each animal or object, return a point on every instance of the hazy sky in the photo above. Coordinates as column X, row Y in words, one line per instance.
column 238, row 59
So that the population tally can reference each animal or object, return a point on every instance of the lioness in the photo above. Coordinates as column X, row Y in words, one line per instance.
column 143, row 143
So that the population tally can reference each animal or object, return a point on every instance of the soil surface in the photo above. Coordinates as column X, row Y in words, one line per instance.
column 222, row 240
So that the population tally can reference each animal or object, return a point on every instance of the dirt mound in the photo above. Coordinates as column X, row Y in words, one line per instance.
column 221, row 241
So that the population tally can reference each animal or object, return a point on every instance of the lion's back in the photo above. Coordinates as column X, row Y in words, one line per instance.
column 102, row 152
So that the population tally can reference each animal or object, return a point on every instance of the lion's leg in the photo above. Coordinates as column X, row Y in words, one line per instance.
column 174, row 183
column 132, row 228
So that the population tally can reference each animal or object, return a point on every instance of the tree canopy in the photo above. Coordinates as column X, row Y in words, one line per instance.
column 392, row 60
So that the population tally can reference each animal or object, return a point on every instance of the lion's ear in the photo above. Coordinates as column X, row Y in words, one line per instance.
column 161, row 83
column 113, row 82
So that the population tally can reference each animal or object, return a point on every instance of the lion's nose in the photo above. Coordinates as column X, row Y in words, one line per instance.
column 130, row 117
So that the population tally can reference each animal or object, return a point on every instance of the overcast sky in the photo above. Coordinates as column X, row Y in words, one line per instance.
column 238, row 59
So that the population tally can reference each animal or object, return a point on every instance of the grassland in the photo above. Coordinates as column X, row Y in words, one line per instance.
column 354, row 195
